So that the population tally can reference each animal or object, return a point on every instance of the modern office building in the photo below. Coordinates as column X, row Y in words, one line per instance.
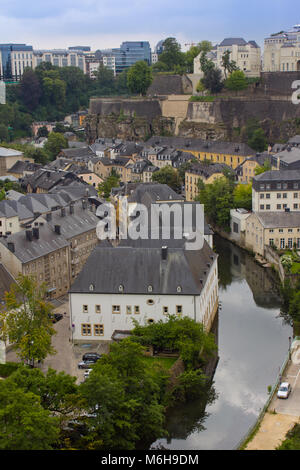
column 60, row 58
column 14, row 58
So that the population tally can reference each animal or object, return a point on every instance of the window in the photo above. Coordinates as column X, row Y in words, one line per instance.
column 150, row 321
column 165, row 310
column 280, row 230
column 295, row 206
column 261, row 207
column 284, row 195
column 136, row 309
column 282, row 243
column 290, row 242
column 278, row 206
column 296, row 195
column 98, row 308
column 116, row 309
column 262, row 196
column 150, row 301
column 278, row 195
column 86, row 329
column 290, row 230
column 98, row 330
column 268, row 195
column 268, row 207
column 271, row 241
column 298, row 242
column 178, row 309
column 236, row 227
column 150, row 288
column 271, row 230
column 85, row 309
column 128, row 309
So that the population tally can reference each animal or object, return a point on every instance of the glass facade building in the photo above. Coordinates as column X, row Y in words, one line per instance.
column 131, row 52
column 14, row 59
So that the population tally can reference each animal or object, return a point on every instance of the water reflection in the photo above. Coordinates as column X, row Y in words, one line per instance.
column 253, row 342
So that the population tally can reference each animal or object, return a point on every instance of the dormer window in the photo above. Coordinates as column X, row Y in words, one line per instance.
column 121, row 288
column 150, row 288
column 179, row 288
column 92, row 287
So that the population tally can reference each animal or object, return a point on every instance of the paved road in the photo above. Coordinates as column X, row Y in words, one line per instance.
column 291, row 405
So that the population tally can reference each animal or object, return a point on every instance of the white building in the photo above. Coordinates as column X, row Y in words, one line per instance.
column 276, row 191
column 282, row 51
column 60, row 58
column 124, row 283
column 247, row 56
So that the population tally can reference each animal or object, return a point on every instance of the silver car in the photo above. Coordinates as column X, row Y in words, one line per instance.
column 284, row 390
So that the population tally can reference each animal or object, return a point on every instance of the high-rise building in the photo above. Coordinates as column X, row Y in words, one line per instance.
column 14, row 58
column 60, row 58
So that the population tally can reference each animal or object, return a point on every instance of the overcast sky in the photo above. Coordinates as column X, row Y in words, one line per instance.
column 106, row 23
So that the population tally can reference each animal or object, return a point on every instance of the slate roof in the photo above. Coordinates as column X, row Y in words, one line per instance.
column 205, row 170
column 154, row 192
column 6, row 152
column 278, row 175
column 295, row 140
column 135, row 269
column 233, row 41
column 207, row 146
column 279, row 219
column 21, row 166
column 83, row 152
column 289, row 155
column 71, row 225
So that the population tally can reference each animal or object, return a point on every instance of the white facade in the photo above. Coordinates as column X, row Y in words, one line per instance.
column 19, row 61
column 282, row 51
column 246, row 56
column 275, row 201
column 97, row 316
column 60, row 58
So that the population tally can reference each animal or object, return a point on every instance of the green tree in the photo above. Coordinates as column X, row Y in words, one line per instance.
column 172, row 55
column 43, row 132
column 139, row 77
column 4, row 134
column 24, row 423
column 30, row 89
column 242, row 196
column 212, row 80
column 261, row 169
column 228, row 65
column 168, row 175
column 56, row 142
column 236, row 81
column 111, row 181
column 26, row 321
column 258, row 141
column 218, row 200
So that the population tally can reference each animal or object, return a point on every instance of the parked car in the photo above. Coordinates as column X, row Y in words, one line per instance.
column 87, row 373
column 55, row 317
column 85, row 364
column 91, row 357
column 284, row 390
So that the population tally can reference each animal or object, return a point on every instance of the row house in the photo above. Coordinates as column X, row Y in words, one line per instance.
column 53, row 248
column 276, row 191
column 207, row 173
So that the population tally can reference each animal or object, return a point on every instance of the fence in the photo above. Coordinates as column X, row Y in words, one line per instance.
column 243, row 441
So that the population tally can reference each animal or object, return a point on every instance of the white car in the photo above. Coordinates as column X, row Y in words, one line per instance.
column 87, row 373
column 284, row 390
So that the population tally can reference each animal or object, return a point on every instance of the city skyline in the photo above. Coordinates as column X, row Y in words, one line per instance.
column 105, row 24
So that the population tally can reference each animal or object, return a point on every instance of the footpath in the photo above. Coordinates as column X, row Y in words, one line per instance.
column 282, row 414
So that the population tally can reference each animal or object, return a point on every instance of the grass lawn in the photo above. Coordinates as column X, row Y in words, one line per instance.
column 166, row 362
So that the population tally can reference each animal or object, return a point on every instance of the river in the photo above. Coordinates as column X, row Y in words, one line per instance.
column 253, row 342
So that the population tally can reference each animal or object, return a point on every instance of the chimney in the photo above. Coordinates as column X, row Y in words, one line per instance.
column 84, row 205
column 57, row 229
column 36, row 232
column 49, row 216
column 71, row 208
column 164, row 253
column 11, row 246
column 63, row 212
column 29, row 235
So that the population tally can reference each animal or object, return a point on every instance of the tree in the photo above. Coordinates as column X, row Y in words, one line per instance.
column 242, row 196
column 123, row 396
column 205, row 63
column 218, row 200
column 228, row 65
column 30, row 89
column 139, row 77
column 4, row 134
column 212, row 79
column 111, row 181
column 26, row 321
column 172, row 55
column 261, row 169
column 236, row 81
column 42, row 132
column 24, row 423
column 56, row 142
column 258, row 141
column 168, row 175
column 104, row 82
